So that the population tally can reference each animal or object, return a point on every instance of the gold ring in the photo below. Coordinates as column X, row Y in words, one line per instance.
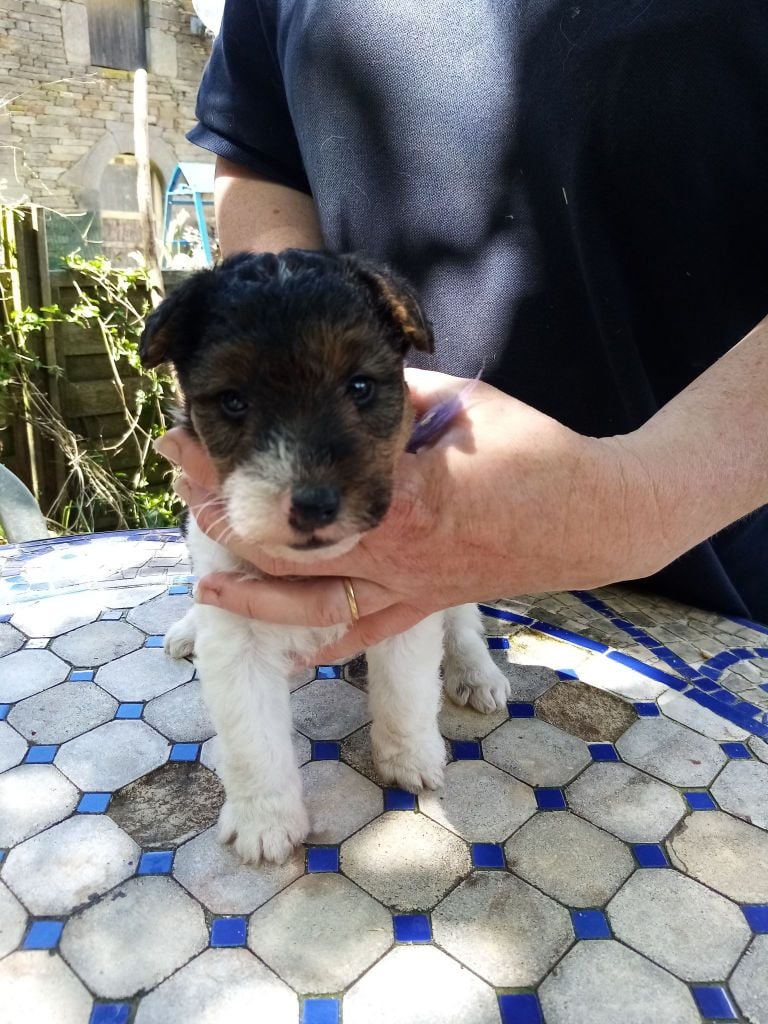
column 351, row 599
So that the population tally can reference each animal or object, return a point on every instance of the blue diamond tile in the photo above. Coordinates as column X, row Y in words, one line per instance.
column 4, row 709
column 700, row 801
column 156, row 862
column 154, row 641
column 110, row 1013
column 43, row 935
column 328, row 672
column 93, row 803
column 735, row 750
column 466, row 750
column 321, row 1011
column 322, row 859
column 399, row 800
column 603, row 752
column 184, row 752
column 550, row 799
column 518, row 710
column 487, row 855
column 412, row 928
column 590, row 924
column 714, row 1002
column 646, row 709
column 5, row 617
column 178, row 588
column 43, row 754
column 228, row 931
column 650, row 855
column 757, row 917
column 2, row 855
column 325, row 750
column 567, row 673
column 497, row 643
column 129, row 711
column 111, row 615
column 520, row 1008
column 81, row 675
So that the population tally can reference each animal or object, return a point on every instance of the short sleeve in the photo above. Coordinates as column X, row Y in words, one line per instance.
column 242, row 109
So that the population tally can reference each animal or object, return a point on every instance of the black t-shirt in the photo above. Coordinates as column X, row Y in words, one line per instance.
column 578, row 189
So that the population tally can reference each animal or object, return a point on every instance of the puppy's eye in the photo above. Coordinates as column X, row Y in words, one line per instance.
column 233, row 404
column 361, row 389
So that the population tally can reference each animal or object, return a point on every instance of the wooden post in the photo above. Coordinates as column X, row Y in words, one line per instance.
column 150, row 243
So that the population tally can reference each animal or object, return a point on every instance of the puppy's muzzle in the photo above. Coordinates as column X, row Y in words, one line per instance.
column 313, row 508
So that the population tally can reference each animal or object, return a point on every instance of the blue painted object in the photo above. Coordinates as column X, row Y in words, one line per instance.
column 519, row 710
column 111, row 615
column 178, row 588
column 129, row 711
column 714, row 1001
column 590, row 924
column 550, row 799
column 325, row 750
column 737, row 751
column 156, row 862
column 229, row 931
column 43, row 754
column 399, row 800
column 184, row 752
column 43, row 934
column 603, row 752
column 322, row 859
column 110, row 1013
column 498, row 643
column 700, row 801
column 411, row 928
column 328, row 672
column 487, row 855
column 4, row 709
column 154, row 641
column 646, row 709
column 757, row 917
column 650, row 855
column 81, row 676
column 466, row 750
column 522, row 1008
column 321, row 1011
column 93, row 803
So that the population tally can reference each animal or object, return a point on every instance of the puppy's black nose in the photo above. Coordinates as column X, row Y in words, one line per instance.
column 312, row 507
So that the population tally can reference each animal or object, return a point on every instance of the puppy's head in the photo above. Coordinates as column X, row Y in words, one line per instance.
column 290, row 367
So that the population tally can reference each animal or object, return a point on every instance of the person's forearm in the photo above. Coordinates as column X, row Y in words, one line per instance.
column 704, row 456
column 258, row 215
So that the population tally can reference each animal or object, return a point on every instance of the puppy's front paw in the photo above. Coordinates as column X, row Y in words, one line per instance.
column 398, row 762
column 180, row 639
column 262, row 829
column 484, row 687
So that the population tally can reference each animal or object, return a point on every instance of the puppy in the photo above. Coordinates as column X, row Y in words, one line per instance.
column 291, row 372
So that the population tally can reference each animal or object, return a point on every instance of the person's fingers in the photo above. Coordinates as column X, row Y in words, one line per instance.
column 180, row 448
column 319, row 602
column 427, row 387
column 368, row 632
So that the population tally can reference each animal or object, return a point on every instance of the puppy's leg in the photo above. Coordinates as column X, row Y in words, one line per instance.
column 404, row 694
column 180, row 638
column 471, row 676
column 243, row 673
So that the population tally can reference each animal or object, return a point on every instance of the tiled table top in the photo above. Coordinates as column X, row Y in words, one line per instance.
column 599, row 854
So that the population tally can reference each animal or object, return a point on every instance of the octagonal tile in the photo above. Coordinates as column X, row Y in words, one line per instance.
column 742, row 789
column 220, row 986
column 12, row 747
column 130, row 596
column 158, row 615
column 62, row 712
column 143, row 675
column 28, row 672
column 568, row 858
column 216, row 876
column 536, row 752
column 37, row 986
column 55, row 615
column 502, row 928
column 464, row 723
column 98, row 643
column 604, row 982
column 339, row 800
column 622, row 800
column 181, row 714
column 32, row 797
column 356, row 752
column 13, row 921
column 126, row 944
column 420, row 985
column 671, row 752
column 584, row 711
column 478, row 802
column 716, row 849
column 10, row 639
column 209, row 753
column 759, row 748
column 749, row 983
column 67, row 865
column 527, row 682
column 112, row 755
column 682, row 709
column 329, row 709
column 339, row 929
column 405, row 860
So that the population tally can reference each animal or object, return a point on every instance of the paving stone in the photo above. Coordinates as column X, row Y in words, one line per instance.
column 181, row 714
column 671, row 752
column 128, row 597
column 112, row 755
column 143, row 675
column 584, row 711
column 568, row 858
column 420, row 985
column 503, row 929
column 169, row 805
column 39, row 988
column 759, row 748
column 527, row 682
column 464, row 723
column 32, row 797
column 405, row 860
column 98, row 643
column 10, row 639
column 479, row 803
column 216, row 876
column 679, row 924
column 627, row 803
column 62, row 712
column 603, row 982
column 339, row 800
column 56, row 615
column 220, row 986
column 134, row 939
column 750, row 981
column 339, row 929
column 742, row 789
column 209, row 753
column 601, row 672
column 356, row 752
column 356, row 671
column 536, row 752
column 69, row 864
column 12, row 747
column 686, row 711
column 329, row 709
column 13, row 921
column 28, row 672
column 724, row 853
column 300, row 678
column 158, row 615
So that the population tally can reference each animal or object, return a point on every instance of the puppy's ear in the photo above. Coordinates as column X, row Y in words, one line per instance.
column 175, row 324
column 396, row 302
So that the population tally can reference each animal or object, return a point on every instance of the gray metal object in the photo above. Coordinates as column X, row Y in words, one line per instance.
column 20, row 515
